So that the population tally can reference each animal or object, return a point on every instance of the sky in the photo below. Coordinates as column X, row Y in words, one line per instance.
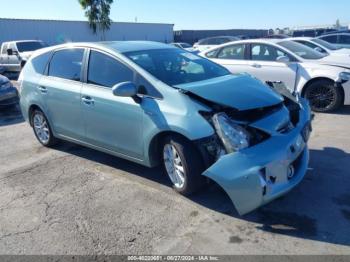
column 195, row 14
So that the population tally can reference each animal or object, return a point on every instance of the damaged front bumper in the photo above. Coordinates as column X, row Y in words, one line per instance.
column 259, row 174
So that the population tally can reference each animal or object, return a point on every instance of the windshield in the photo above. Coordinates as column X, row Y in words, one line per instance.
column 29, row 46
column 301, row 50
column 176, row 66
column 325, row 44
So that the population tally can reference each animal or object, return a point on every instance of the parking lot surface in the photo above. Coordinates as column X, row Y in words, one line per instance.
column 74, row 200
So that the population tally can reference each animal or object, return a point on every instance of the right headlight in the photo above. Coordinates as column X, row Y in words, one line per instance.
column 233, row 136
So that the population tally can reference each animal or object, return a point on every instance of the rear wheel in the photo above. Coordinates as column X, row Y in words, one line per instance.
column 324, row 96
column 42, row 128
column 183, row 165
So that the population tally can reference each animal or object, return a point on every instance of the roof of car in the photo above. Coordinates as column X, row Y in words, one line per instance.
column 299, row 38
column 22, row 41
column 130, row 46
column 335, row 33
column 118, row 46
column 259, row 40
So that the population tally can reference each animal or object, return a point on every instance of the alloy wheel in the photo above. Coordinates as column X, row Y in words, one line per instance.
column 41, row 128
column 173, row 165
column 321, row 97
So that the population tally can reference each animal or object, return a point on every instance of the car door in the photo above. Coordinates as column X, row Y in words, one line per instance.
column 264, row 65
column 61, row 89
column 233, row 57
column 111, row 122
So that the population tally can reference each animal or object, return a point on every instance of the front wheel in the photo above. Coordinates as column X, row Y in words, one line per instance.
column 324, row 96
column 183, row 165
column 42, row 129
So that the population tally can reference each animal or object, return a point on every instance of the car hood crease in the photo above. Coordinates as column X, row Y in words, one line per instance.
column 241, row 92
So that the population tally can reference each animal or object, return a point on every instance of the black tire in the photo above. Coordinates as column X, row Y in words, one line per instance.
column 51, row 140
column 324, row 96
column 192, row 164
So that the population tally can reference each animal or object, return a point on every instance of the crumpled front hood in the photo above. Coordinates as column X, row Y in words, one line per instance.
column 241, row 92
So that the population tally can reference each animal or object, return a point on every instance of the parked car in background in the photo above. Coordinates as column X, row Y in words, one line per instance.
column 211, row 42
column 301, row 68
column 322, row 46
column 341, row 40
column 156, row 104
column 13, row 55
column 8, row 93
column 185, row 46
column 182, row 45
column 278, row 36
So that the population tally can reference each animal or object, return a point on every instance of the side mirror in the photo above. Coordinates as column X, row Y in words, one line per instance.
column 318, row 49
column 125, row 89
column 283, row 59
column 9, row 51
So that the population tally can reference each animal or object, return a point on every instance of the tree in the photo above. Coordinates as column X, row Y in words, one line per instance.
column 97, row 12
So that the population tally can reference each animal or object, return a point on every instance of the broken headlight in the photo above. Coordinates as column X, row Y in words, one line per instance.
column 233, row 136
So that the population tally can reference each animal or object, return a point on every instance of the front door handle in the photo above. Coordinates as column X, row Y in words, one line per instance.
column 87, row 100
column 256, row 65
column 42, row 89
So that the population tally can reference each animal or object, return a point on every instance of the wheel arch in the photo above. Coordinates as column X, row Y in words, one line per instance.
column 311, row 81
column 31, row 109
column 154, row 150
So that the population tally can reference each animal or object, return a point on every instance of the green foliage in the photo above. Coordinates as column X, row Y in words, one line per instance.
column 97, row 12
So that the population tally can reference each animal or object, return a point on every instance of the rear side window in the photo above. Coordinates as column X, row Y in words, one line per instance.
column 344, row 39
column 107, row 71
column 40, row 62
column 330, row 38
column 67, row 64
column 232, row 52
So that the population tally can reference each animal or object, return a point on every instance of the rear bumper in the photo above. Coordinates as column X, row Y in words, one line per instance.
column 258, row 175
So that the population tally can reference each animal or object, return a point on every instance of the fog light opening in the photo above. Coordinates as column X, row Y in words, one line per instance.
column 290, row 172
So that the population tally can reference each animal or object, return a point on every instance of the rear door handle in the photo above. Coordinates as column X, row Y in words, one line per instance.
column 88, row 100
column 256, row 65
column 42, row 89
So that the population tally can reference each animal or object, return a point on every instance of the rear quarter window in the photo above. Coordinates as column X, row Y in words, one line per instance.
column 40, row 62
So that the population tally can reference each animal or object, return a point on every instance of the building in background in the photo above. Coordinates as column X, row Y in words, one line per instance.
column 57, row 31
column 192, row 36
column 316, row 30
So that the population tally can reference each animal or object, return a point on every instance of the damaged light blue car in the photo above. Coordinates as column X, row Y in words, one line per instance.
column 156, row 104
